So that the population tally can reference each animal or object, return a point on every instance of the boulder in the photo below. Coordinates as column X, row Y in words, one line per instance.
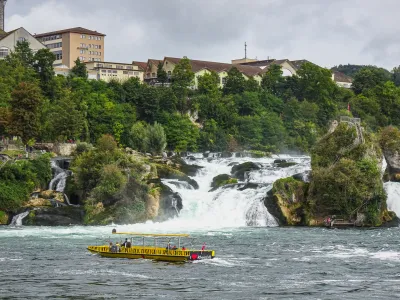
column 170, row 203
column 240, row 171
column 55, row 216
column 221, row 180
column 285, row 164
column 167, row 172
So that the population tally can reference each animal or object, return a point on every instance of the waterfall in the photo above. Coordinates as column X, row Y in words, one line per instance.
column 60, row 178
column 393, row 196
column 232, row 205
column 17, row 220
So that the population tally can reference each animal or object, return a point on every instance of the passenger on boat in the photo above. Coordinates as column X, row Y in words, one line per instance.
column 168, row 247
column 124, row 243
column 174, row 247
column 183, row 248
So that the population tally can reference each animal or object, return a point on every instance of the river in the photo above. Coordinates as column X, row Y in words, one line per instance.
column 255, row 259
column 250, row 263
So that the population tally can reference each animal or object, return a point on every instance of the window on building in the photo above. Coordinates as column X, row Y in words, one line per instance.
column 82, row 51
column 21, row 39
column 90, row 37
column 99, row 46
column 104, row 71
column 58, row 55
column 169, row 73
column 126, row 72
column 100, row 65
column 153, row 74
column 3, row 52
column 223, row 81
column 114, row 71
column 99, row 38
column 120, row 67
column 83, row 36
column 129, row 67
column 136, row 73
column 130, row 73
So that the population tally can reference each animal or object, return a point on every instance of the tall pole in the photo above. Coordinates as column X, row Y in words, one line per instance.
column 2, row 12
column 245, row 50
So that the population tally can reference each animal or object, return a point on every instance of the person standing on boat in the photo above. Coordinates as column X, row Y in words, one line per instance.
column 203, row 247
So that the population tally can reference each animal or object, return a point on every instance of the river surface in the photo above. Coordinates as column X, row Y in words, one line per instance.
column 250, row 263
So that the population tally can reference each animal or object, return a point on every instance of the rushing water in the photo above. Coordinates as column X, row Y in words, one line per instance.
column 260, row 261
column 251, row 263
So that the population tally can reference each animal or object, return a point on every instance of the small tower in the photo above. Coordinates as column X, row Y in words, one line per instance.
column 2, row 9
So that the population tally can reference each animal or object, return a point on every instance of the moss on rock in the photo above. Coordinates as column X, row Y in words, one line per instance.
column 4, row 218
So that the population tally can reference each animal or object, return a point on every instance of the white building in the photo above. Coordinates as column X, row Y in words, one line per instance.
column 8, row 41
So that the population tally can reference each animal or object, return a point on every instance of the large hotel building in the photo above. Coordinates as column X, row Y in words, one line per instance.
column 71, row 44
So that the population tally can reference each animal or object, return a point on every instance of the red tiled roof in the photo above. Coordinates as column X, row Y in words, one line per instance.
column 198, row 65
column 73, row 30
column 140, row 64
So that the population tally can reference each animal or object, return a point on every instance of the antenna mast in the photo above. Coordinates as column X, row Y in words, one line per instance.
column 245, row 50
column 2, row 9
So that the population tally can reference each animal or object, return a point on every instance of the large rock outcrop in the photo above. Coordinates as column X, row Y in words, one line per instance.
column 345, row 181
column 390, row 143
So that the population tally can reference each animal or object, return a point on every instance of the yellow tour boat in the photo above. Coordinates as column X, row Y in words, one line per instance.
column 132, row 250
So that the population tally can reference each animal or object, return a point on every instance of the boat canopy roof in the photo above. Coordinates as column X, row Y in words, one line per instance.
column 152, row 234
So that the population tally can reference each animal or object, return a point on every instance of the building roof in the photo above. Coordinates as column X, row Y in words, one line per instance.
column 340, row 77
column 140, row 64
column 73, row 30
column 4, row 34
column 198, row 65
column 298, row 63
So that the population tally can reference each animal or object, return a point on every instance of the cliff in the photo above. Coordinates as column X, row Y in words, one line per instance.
column 345, row 182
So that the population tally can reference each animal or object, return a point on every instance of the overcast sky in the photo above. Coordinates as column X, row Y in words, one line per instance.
column 326, row 32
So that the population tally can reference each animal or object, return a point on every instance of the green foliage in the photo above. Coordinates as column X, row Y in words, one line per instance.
column 162, row 75
column 25, row 104
column 79, row 70
column 208, row 84
column 182, row 134
column 18, row 180
column 146, row 137
column 396, row 76
column 235, row 82
column 368, row 78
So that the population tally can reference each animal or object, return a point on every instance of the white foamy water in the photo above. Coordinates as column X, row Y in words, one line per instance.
column 227, row 207
column 59, row 181
column 393, row 196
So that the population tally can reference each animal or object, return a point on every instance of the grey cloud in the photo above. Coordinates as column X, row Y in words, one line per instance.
column 323, row 31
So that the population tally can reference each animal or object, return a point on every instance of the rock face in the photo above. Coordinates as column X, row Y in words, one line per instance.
column 240, row 171
column 286, row 201
column 168, row 172
column 55, row 216
column 345, row 182
column 390, row 143
column 221, row 180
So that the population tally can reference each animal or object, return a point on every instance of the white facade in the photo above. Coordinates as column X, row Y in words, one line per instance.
column 9, row 41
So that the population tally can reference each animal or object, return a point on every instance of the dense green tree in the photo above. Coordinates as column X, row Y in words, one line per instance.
column 182, row 134
column 64, row 120
column 162, row 75
column 182, row 80
column 235, row 82
column 248, row 103
column 43, row 65
column 272, row 80
column 156, row 139
column 22, row 53
column 25, row 104
column 251, row 85
column 79, row 70
column 137, row 139
column 369, row 78
column 208, row 84
column 396, row 76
